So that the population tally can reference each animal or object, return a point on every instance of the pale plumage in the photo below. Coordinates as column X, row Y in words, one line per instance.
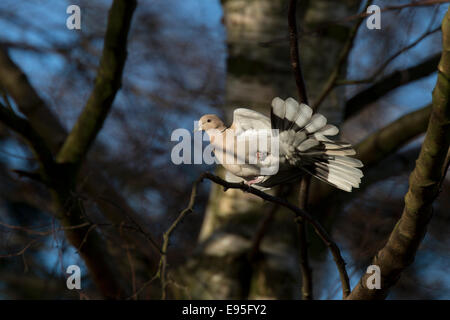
column 304, row 146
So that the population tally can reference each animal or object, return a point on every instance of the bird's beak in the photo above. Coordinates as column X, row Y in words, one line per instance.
column 199, row 126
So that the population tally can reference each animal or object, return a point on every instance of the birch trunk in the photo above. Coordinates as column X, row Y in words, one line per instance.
column 258, row 69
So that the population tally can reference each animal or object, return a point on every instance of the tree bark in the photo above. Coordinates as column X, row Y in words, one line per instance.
column 60, row 174
column 424, row 183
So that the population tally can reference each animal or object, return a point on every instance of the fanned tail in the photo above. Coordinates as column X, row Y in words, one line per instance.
column 305, row 144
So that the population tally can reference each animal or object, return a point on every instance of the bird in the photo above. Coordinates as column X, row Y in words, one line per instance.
column 304, row 147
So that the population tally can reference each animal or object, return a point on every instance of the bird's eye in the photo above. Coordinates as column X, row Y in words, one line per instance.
column 209, row 120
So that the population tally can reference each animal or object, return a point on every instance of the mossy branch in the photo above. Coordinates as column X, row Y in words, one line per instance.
column 424, row 184
column 107, row 83
column 388, row 139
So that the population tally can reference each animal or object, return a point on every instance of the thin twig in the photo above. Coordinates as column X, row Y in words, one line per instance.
column 307, row 285
column 331, row 82
column 162, row 269
column 25, row 229
column 43, row 233
column 301, row 88
column 138, row 226
column 381, row 68
column 299, row 213
column 397, row 7
column 24, row 128
column 135, row 294
column 130, row 262
column 322, row 27
column 20, row 252
column 294, row 54
column 35, row 176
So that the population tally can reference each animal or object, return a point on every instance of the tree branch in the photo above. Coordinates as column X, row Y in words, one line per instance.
column 331, row 82
column 306, row 270
column 382, row 143
column 402, row 245
column 162, row 270
column 88, row 241
column 294, row 54
column 77, row 144
column 388, row 139
column 47, row 125
column 383, row 66
column 107, row 83
column 413, row 4
column 23, row 127
column 16, row 83
column 300, row 214
column 389, row 83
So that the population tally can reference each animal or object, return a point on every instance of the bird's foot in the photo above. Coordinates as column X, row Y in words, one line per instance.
column 250, row 182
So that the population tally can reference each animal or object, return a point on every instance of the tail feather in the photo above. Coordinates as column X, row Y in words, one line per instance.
column 289, row 114
column 304, row 115
column 346, row 161
column 341, row 176
column 316, row 123
column 277, row 113
column 308, row 144
column 299, row 138
column 292, row 113
column 329, row 162
column 304, row 137
column 349, row 176
column 324, row 177
column 346, row 169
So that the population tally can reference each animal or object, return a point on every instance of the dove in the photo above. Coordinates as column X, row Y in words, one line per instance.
column 303, row 147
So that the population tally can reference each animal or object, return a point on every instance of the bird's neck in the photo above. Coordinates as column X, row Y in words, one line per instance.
column 214, row 133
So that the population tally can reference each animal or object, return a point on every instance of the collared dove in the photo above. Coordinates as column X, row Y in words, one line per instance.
column 303, row 147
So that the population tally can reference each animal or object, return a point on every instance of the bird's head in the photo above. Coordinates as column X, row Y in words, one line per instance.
column 210, row 122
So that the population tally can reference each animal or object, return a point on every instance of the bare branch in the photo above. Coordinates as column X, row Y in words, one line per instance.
column 386, row 140
column 16, row 83
column 331, row 82
column 88, row 241
column 162, row 269
column 424, row 184
column 299, row 214
column 413, row 4
column 23, row 127
column 389, row 83
column 383, row 66
column 47, row 125
column 295, row 59
column 107, row 83
column 304, row 184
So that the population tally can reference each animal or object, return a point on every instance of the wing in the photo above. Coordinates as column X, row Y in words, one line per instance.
column 246, row 119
